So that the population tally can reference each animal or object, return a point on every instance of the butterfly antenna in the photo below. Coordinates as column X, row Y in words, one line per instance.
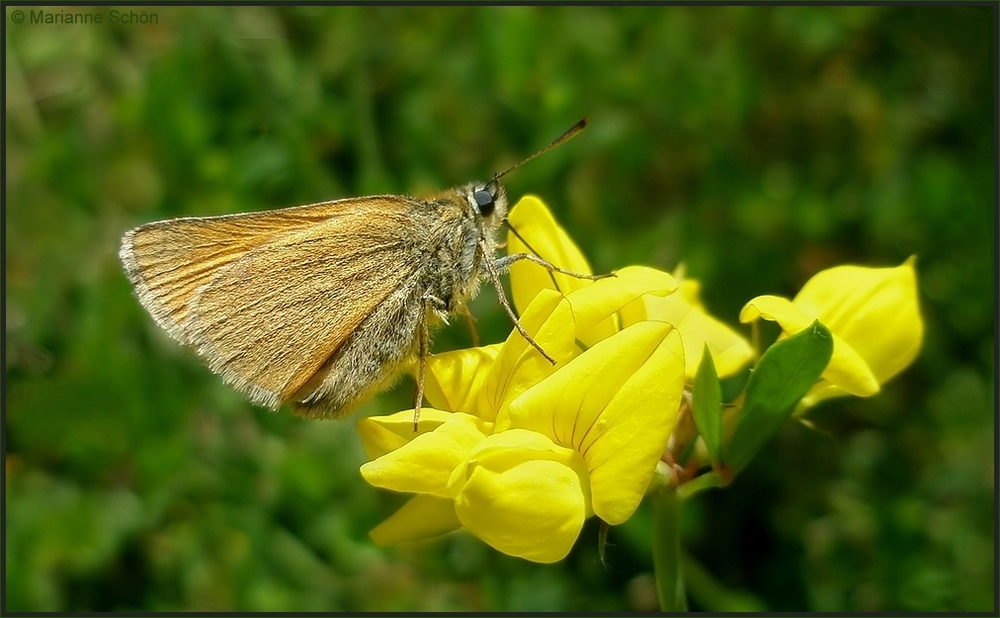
column 566, row 136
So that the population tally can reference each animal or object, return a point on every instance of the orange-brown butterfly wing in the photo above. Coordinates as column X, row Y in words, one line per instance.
column 168, row 261
column 269, row 304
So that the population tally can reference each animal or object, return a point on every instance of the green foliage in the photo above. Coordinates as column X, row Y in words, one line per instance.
column 706, row 405
column 758, row 145
column 780, row 379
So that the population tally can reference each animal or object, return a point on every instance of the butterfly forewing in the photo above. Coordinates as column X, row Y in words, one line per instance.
column 268, row 305
column 168, row 261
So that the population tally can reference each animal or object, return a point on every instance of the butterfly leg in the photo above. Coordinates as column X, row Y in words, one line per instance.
column 504, row 263
column 493, row 270
column 470, row 321
column 428, row 304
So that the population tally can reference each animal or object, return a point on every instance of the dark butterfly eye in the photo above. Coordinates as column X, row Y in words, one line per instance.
column 485, row 202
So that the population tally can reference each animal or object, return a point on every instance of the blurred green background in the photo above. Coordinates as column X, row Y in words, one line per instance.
column 758, row 145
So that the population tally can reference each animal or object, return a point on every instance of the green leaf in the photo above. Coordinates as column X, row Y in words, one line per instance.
column 706, row 401
column 687, row 451
column 782, row 376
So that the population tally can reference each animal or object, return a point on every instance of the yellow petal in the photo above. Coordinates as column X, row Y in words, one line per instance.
column 535, row 224
column 776, row 309
column 383, row 434
column 636, row 426
column 594, row 304
column 684, row 310
column 616, row 404
column 505, row 449
column 518, row 365
column 847, row 370
column 524, row 496
column 454, row 378
column 690, row 290
column 824, row 389
column 874, row 310
column 423, row 517
column 425, row 463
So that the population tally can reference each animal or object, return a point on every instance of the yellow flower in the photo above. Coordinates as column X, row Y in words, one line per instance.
column 483, row 381
column 873, row 314
column 684, row 310
column 536, row 226
column 523, row 494
column 616, row 405
column 524, row 452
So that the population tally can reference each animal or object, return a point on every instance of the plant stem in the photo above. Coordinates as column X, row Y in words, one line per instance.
column 699, row 484
column 667, row 551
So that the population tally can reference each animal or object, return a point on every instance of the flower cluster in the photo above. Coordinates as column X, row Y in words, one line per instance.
column 874, row 317
column 521, row 452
